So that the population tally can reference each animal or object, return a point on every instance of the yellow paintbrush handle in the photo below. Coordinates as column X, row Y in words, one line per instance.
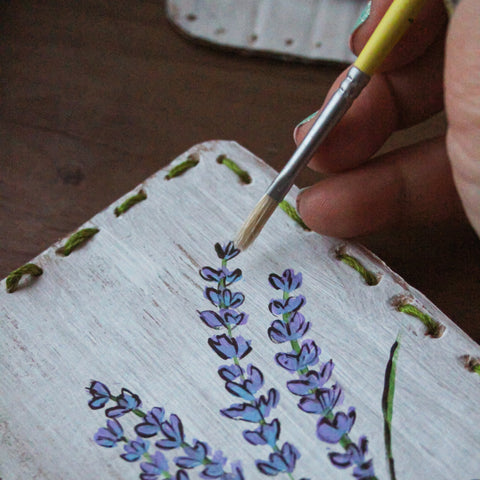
column 400, row 15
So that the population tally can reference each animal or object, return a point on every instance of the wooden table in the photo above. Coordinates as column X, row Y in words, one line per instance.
column 96, row 96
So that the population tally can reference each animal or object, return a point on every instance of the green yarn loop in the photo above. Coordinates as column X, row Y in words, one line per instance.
column 234, row 167
column 292, row 213
column 177, row 170
column 369, row 277
column 434, row 328
column 14, row 278
column 77, row 239
column 130, row 202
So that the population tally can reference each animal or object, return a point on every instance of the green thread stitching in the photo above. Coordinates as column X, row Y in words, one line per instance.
column 14, row 278
column 177, row 170
column 472, row 364
column 370, row 278
column 434, row 329
column 242, row 174
column 292, row 213
column 77, row 239
column 130, row 202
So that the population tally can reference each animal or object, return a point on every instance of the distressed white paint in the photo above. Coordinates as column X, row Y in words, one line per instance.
column 122, row 310
column 308, row 30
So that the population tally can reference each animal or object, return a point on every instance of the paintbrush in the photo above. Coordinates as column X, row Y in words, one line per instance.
column 394, row 24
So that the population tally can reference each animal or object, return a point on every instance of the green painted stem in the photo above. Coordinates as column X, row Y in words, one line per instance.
column 387, row 404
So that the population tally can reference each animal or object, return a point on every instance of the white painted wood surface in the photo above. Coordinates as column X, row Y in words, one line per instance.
column 307, row 30
column 123, row 310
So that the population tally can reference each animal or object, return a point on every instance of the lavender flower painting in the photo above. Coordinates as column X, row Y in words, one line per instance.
column 316, row 395
column 158, row 442
column 243, row 382
column 155, row 438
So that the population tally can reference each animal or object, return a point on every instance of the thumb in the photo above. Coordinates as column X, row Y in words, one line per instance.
column 462, row 102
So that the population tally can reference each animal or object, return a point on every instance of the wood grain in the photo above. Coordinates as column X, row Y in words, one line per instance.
column 122, row 309
column 96, row 96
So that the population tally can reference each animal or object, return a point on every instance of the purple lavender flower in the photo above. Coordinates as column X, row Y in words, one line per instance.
column 311, row 385
column 288, row 282
column 230, row 372
column 266, row 433
column 173, row 431
column 194, row 456
column 312, row 380
column 100, row 395
column 280, row 331
column 182, row 475
column 224, row 298
column 247, row 388
column 229, row 347
column 233, row 318
column 109, row 436
column 151, row 423
column 224, row 318
column 126, row 402
column 322, row 401
column 291, row 304
column 278, row 462
column 135, row 449
column 226, row 251
column 256, row 412
column 152, row 470
column 332, row 430
column 355, row 455
column 214, row 469
column 241, row 383
column 223, row 274
column 308, row 355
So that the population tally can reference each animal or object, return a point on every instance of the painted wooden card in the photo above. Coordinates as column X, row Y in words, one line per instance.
column 151, row 348
column 305, row 30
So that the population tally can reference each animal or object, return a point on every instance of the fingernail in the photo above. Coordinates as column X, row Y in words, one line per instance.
column 362, row 18
column 303, row 122
column 298, row 201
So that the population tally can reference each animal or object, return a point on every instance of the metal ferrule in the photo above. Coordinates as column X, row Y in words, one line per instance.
column 331, row 114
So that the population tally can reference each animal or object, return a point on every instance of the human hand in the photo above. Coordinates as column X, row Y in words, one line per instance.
column 422, row 183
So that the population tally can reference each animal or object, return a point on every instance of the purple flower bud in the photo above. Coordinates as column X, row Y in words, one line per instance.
column 278, row 462
column 311, row 380
column 126, row 402
column 353, row 455
column 173, row 431
column 151, row 423
column 224, row 298
column 226, row 251
column 230, row 372
column 247, row 388
column 287, row 282
column 100, row 395
column 293, row 361
column 229, row 347
column 295, row 328
column 158, row 465
column 323, row 401
column 331, row 431
column 109, row 436
column 135, row 449
column 266, row 433
column 194, row 456
column 291, row 304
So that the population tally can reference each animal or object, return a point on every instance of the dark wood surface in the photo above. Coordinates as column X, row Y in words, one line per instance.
column 97, row 96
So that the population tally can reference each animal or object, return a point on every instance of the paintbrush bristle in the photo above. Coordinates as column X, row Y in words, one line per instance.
column 255, row 222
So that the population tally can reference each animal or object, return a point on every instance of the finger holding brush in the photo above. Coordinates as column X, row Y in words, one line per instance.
column 415, row 183
column 398, row 18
